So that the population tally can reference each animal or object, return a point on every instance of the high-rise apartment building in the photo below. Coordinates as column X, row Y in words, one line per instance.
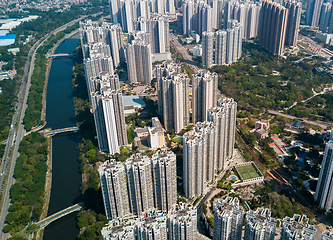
column 142, row 9
column 272, row 27
column 183, row 223
column 199, row 158
column 207, row 49
column 140, row 183
column 325, row 16
column 228, row 47
column 112, row 35
column 297, row 227
column 139, row 62
column 188, row 15
column 118, row 229
column 128, row 14
column 152, row 227
column 158, row 28
column 108, row 110
column 217, row 14
column 313, row 12
column 327, row 235
column 259, row 225
column 224, row 119
column 95, row 66
column 93, row 50
column 115, row 11
column 175, row 98
column 165, row 180
column 294, row 19
column 197, row 16
column 229, row 105
column 193, row 147
column 221, row 47
column 204, row 92
column 228, row 219
column 324, row 190
column 114, row 189
column 165, row 69
column 208, row 133
column 246, row 13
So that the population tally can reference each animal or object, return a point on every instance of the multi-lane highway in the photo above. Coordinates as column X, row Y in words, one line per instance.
column 17, row 129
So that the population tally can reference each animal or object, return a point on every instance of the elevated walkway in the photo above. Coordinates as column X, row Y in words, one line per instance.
column 50, row 132
column 60, row 214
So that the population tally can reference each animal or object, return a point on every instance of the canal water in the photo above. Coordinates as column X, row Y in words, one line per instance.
column 66, row 177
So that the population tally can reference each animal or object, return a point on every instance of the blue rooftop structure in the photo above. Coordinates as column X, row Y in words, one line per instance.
column 135, row 101
column 297, row 124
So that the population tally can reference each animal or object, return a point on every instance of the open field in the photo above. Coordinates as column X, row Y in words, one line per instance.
column 247, row 172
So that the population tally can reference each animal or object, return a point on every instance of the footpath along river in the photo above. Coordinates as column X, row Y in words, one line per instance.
column 66, row 177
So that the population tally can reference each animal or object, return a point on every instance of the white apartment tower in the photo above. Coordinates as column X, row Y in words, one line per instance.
column 127, row 15
column 165, row 180
column 324, row 190
column 228, row 219
column 108, row 110
column 327, row 235
column 246, row 13
column 259, row 225
column 158, row 28
column 139, row 62
column 193, row 148
column 152, row 227
column 140, row 183
column 118, row 229
column 204, row 93
column 297, row 227
column 183, row 223
column 207, row 48
column 208, row 132
column 227, row 126
column 165, row 69
column 294, row 19
column 221, row 47
column 114, row 190
column 175, row 101
column 188, row 15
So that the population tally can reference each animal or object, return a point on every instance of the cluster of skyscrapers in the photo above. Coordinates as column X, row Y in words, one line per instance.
column 207, row 148
column 180, row 223
column 228, row 45
column 139, row 185
column 173, row 95
column 279, row 25
column 124, row 12
column 103, row 51
column 228, row 222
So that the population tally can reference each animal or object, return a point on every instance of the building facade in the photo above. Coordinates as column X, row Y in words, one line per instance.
column 228, row 219
column 324, row 191
column 204, row 92
column 259, row 225
column 165, row 180
column 297, row 227
column 272, row 27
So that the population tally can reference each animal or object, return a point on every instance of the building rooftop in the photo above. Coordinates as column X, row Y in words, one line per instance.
column 135, row 101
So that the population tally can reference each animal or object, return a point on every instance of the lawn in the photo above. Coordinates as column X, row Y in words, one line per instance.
column 247, row 172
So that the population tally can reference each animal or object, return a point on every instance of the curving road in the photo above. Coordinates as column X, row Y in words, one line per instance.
column 17, row 129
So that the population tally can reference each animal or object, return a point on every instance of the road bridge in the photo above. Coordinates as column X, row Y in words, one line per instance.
column 61, row 55
column 50, row 132
column 46, row 221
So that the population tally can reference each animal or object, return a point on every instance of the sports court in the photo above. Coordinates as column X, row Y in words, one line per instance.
column 248, row 172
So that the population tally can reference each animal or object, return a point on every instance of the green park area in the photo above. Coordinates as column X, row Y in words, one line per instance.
column 247, row 171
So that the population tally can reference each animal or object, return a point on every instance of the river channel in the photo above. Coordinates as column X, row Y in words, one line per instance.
column 66, row 177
